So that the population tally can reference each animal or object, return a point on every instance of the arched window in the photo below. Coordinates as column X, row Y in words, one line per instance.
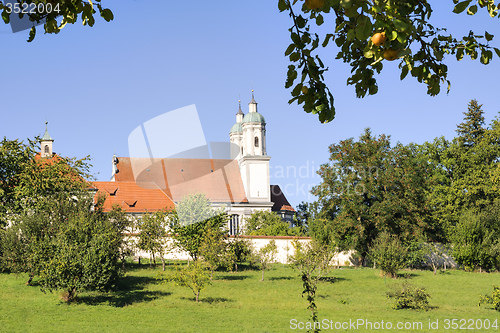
column 46, row 149
column 256, row 141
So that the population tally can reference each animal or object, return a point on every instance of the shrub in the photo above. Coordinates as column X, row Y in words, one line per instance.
column 388, row 253
column 195, row 276
column 409, row 297
column 494, row 299
column 476, row 240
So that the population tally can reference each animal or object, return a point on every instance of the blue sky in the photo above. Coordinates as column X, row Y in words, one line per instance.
column 95, row 85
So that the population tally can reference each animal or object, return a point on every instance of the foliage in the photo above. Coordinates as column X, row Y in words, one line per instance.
column 240, row 250
column 264, row 223
column 192, row 217
column 494, row 299
column 415, row 255
column 124, row 224
column 265, row 256
column 25, row 177
column 369, row 188
column 388, row 253
column 306, row 213
column 215, row 250
column 194, row 208
column 70, row 11
column 194, row 276
column 464, row 171
column 420, row 46
column 435, row 254
column 476, row 240
column 408, row 296
column 65, row 246
column 152, row 236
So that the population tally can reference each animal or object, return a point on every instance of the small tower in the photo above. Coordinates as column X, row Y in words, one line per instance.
column 236, row 135
column 114, row 165
column 254, row 162
column 46, row 143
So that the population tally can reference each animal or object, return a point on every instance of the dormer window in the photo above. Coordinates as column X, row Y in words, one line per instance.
column 256, row 142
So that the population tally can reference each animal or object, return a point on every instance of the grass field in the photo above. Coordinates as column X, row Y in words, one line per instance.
column 240, row 302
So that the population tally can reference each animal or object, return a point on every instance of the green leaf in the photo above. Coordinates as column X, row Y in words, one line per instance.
column 319, row 20
column 5, row 17
column 460, row 7
column 364, row 28
column 488, row 36
column 282, row 5
column 32, row 34
column 327, row 39
column 472, row 10
column 289, row 49
column 107, row 15
column 497, row 51
column 404, row 72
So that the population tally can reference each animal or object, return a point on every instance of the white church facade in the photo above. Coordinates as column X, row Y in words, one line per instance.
column 241, row 185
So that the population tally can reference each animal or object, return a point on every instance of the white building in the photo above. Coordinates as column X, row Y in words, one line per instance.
column 241, row 185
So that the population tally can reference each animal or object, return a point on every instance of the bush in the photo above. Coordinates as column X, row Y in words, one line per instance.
column 409, row 297
column 388, row 253
column 494, row 299
column 263, row 223
column 475, row 240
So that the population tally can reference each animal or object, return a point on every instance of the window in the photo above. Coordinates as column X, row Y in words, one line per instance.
column 233, row 224
column 256, row 141
column 46, row 149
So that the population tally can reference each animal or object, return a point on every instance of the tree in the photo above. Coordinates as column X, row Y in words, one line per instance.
column 191, row 219
column 388, row 254
column 264, row 223
column 194, row 276
column 464, row 171
column 67, row 245
column 407, row 35
column 25, row 176
column 312, row 260
column 476, row 240
column 124, row 225
column 215, row 250
column 369, row 188
column 265, row 256
column 152, row 235
column 70, row 11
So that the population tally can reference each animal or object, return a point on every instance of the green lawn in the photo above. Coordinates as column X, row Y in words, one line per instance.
column 240, row 302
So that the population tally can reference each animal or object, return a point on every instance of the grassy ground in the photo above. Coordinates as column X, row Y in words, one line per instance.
column 240, row 302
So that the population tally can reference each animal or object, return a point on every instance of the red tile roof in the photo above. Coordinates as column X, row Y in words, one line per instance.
column 220, row 180
column 132, row 197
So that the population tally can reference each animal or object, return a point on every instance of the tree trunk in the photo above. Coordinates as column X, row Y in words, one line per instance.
column 29, row 280
column 150, row 265
column 197, row 294
column 163, row 262
column 154, row 260
column 262, row 275
column 139, row 261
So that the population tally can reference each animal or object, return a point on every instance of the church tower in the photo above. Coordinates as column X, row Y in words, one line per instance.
column 254, row 162
column 236, row 136
column 46, row 143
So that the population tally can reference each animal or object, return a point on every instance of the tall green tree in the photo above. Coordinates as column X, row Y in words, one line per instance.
column 465, row 170
column 369, row 187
